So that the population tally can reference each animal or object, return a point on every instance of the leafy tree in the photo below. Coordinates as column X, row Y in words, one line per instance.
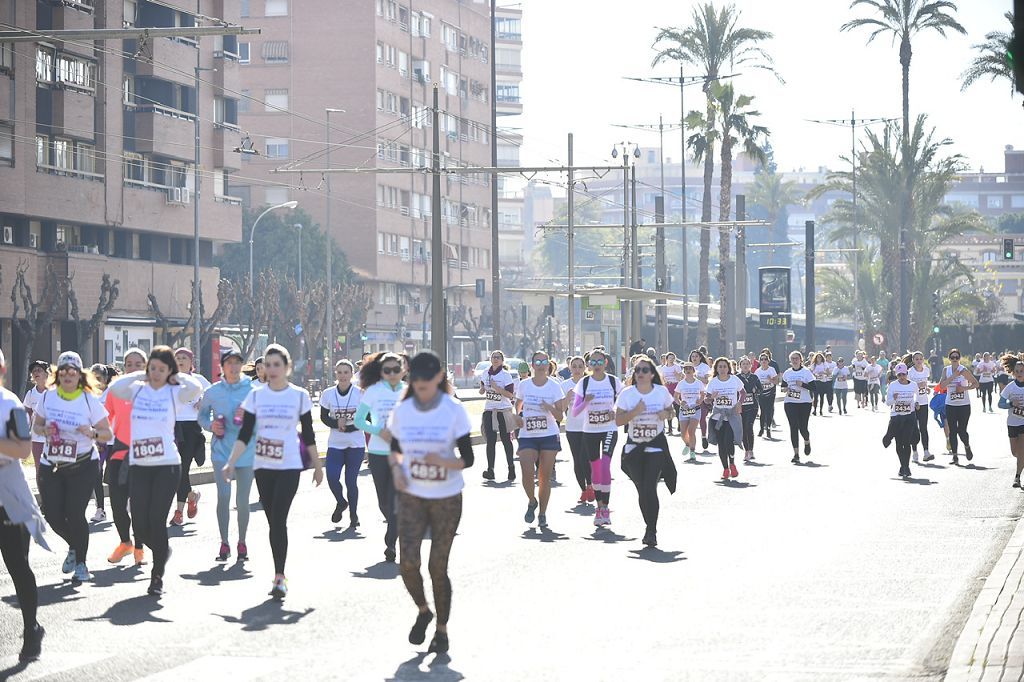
column 713, row 40
column 991, row 62
column 1012, row 223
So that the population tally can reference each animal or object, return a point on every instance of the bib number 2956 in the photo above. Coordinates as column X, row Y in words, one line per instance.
column 599, row 418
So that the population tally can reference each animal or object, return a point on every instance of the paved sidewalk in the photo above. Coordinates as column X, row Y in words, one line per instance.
column 991, row 646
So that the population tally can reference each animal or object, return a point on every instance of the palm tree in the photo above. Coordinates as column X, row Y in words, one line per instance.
column 991, row 59
column 904, row 19
column 736, row 128
column 713, row 40
column 773, row 194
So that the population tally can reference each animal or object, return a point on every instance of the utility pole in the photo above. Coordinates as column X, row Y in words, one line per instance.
column 809, row 320
column 197, row 303
column 624, row 307
column 438, row 300
column 571, row 248
column 741, row 274
column 637, row 315
column 329, row 368
column 495, row 262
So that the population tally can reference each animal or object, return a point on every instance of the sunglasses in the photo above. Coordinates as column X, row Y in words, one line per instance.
column 540, row 361
column 595, row 363
column 954, row 357
column 391, row 370
column 643, row 370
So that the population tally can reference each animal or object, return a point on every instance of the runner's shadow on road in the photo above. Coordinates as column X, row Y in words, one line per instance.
column 384, row 570
column 255, row 506
column 131, row 611
column 757, row 464
column 607, row 536
column 656, row 556
column 499, row 484
column 975, row 467
column 100, row 527
column 115, row 576
column 438, row 669
column 812, row 465
column 262, row 616
column 932, row 466
column 581, row 509
column 737, row 485
column 696, row 462
column 180, row 532
column 543, row 535
column 57, row 593
column 340, row 535
column 221, row 573
column 920, row 481
column 19, row 667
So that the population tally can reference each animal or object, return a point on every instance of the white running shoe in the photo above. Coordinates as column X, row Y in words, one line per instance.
column 914, row 459
column 99, row 516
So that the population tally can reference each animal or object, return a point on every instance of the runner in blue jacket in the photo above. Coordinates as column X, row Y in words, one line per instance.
column 220, row 413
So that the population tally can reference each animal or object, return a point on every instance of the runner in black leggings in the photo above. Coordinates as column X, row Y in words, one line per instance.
column 752, row 386
column 19, row 514
column 958, row 382
column 797, row 404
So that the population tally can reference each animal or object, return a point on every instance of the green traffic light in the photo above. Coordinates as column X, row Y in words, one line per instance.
column 935, row 330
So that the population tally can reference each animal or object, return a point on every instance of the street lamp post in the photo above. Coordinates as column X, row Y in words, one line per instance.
column 252, row 234
column 329, row 323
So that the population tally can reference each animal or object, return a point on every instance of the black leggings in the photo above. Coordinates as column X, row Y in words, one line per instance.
column 749, row 417
column 441, row 517
column 644, row 468
column 726, row 445
column 119, row 501
column 873, row 390
column 384, row 482
column 580, row 463
column 14, row 544
column 798, row 414
column 986, row 393
column 192, row 446
column 922, row 424
column 152, row 491
column 766, row 401
column 277, row 489
column 65, row 496
column 827, row 391
column 98, row 488
column 491, row 437
column 957, row 417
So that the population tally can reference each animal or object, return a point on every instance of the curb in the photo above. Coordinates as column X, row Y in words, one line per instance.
column 992, row 642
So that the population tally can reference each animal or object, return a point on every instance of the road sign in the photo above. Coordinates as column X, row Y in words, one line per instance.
column 878, row 339
column 589, row 314
column 770, row 320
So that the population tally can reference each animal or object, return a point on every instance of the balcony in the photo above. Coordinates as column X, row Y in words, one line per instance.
column 163, row 130
column 178, row 53
column 226, row 137
column 58, row 194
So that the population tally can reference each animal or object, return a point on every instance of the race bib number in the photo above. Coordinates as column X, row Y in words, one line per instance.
column 533, row 424
column 858, row 375
column 723, row 401
column 901, row 408
column 820, row 377
column 922, row 389
column 428, row 473
column 492, row 397
column 687, row 410
column 986, row 377
column 1018, row 411
column 268, row 448
column 958, row 395
column 148, row 448
column 345, row 417
column 794, row 393
column 599, row 418
column 749, row 400
column 641, row 433
column 64, row 451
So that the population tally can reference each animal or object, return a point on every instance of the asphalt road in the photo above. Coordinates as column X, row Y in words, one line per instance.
column 830, row 570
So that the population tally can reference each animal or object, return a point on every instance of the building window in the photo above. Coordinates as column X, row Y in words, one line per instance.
column 507, row 93
column 85, row 158
column 134, row 167
column 277, row 148
column 507, row 59
column 450, row 37
column 220, row 182
column 42, row 151
column 994, row 201
column 508, row 28
column 7, row 57
column 421, row 70
column 44, row 64
column 380, row 52
column 275, row 195
column 244, row 10
column 276, row 8
column 380, row 8
column 1017, row 201
column 6, row 143
column 275, row 100
column 989, row 257
column 403, row 17
column 243, row 53
column 75, row 72
column 275, row 52
column 391, row 56
column 130, row 12
column 403, row 64
column 388, row 293
column 61, row 155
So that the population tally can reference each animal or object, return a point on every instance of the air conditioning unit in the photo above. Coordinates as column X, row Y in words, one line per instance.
column 186, row 195
column 173, row 195
column 8, row 234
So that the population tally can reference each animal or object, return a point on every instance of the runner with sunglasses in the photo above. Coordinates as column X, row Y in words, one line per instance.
column 595, row 396
column 769, row 378
column 642, row 407
column 380, row 379
column 958, row 382
column 346, row 447
column 918, row 375
column 797, row 404
column 541, row 401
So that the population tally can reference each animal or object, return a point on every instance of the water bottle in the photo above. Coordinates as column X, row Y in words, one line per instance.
column 222, row 421
column 237, row 418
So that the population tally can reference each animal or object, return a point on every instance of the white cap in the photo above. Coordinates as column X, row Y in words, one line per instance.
column 70, row 358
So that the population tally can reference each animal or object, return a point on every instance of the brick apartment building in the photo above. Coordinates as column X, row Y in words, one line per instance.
column 378, row 61
column 96, row 160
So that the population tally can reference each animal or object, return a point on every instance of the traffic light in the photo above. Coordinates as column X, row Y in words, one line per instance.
column 1008, row 249
column 935, row 300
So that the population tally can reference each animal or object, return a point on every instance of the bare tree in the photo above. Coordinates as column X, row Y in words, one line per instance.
column 172, row 339
column 352, row 303
column 208, row 325
column 85, row 329
column 474, row 325
column 35, row 314
column 254, row 313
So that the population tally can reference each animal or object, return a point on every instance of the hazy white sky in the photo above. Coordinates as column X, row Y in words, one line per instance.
column 577, row 51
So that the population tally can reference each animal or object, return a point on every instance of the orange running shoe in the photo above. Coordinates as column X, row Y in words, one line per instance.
column 120, row 552
column 193, row 504
column 140, row 556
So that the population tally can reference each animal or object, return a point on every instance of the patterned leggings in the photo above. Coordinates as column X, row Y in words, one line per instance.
column 415, row 516
column 599, row 448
